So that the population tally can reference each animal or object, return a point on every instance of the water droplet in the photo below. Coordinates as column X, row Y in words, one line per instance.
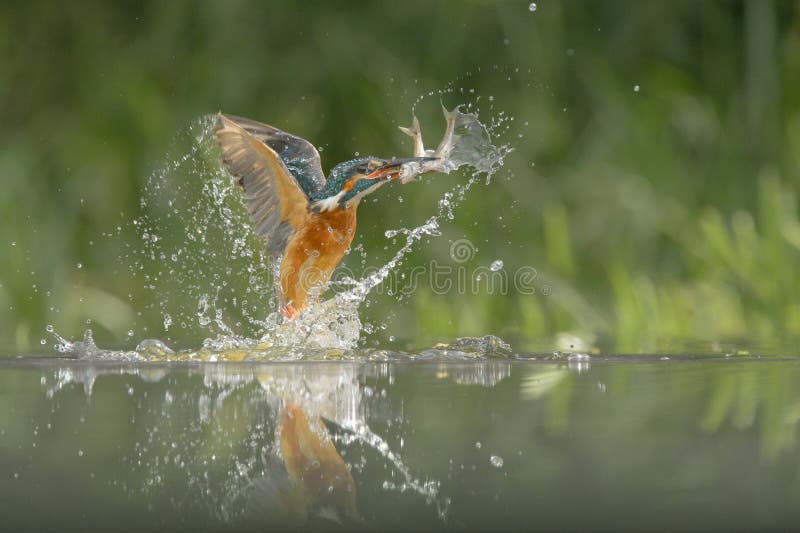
column 80, row 453
column 49, row 328
column 43, row 342
column 478, row 445
column 636, row 88
column 496, row 461
column 79, row 266
column 496, row 265
column 532, row 7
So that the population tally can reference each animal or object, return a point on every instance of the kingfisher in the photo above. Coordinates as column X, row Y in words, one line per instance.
column 306, row 220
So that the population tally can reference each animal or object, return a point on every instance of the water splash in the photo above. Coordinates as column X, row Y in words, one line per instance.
column 196, row 244
column 472, row 147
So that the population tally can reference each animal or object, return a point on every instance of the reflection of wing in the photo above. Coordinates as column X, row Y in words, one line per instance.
column 299, row 155
column 277, row 203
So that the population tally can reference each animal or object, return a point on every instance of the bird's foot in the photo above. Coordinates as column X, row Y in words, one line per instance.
column 289, row 312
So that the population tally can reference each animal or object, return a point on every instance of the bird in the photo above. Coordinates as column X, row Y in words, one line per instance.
column 308, row 220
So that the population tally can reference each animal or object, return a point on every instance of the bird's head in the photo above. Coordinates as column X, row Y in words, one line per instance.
column 352, row 180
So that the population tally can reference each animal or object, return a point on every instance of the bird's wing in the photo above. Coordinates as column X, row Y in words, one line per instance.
column 277, row 203
column 299, row 155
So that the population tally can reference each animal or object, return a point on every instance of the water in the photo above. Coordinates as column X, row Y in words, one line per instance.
column 454, row 440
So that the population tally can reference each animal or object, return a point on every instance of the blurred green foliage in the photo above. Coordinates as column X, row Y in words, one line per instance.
column 652, row 183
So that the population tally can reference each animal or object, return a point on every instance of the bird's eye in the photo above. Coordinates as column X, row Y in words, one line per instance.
column 362, row 169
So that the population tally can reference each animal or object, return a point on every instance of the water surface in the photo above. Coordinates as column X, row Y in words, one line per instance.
column 443, row 441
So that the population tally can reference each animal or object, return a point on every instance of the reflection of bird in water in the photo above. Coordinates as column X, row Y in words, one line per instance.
column 312, row 484
column 306, row 481
column 304, row 217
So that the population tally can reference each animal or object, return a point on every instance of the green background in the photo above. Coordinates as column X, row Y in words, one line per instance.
column 658, row 219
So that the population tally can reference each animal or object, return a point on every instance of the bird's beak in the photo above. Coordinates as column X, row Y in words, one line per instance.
column 392, row 167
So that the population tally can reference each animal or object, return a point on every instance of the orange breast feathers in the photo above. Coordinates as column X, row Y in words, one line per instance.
column 312, row 254
column 318, row 473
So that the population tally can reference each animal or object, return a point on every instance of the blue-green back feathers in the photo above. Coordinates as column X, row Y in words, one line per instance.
column 299, row 155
